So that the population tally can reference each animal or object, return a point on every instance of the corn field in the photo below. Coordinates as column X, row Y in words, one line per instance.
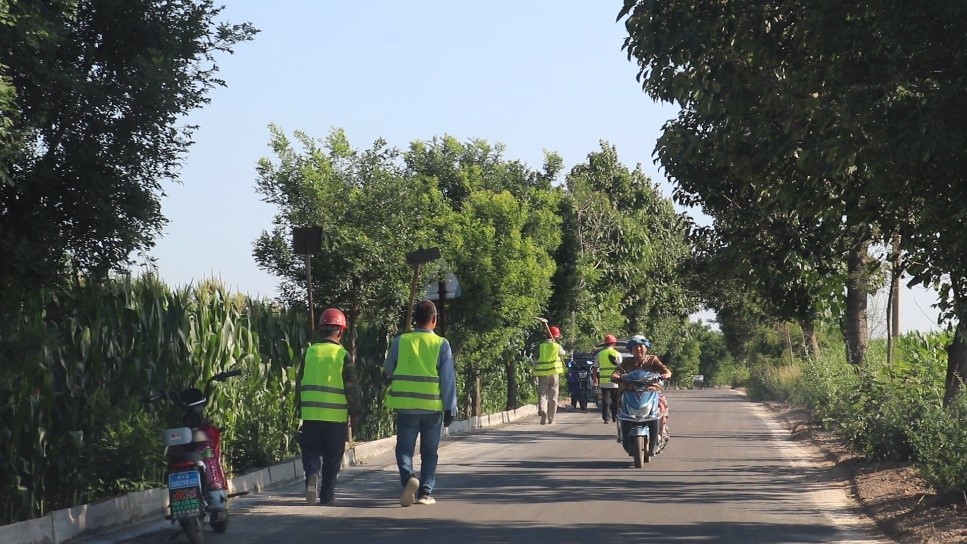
column 75, row 370
column 75, row 427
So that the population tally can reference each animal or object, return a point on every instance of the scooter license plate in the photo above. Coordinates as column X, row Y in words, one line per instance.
column 184, row 494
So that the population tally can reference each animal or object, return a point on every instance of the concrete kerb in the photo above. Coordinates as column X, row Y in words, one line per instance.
column 80, row 522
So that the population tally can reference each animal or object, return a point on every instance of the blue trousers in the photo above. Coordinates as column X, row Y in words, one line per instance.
column 428, row 427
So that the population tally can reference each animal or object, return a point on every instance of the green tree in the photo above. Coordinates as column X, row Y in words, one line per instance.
column 91, row 94
column 371, row 213
column 621, row 268
column 498, row 239
column 806, row 103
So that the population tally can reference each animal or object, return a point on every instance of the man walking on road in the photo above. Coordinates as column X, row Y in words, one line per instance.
column 423, row 392
column 327, row 393
column 605, row 363
column 548, row 369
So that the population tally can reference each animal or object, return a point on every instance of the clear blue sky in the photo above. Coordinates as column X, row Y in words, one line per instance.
column 531, row 74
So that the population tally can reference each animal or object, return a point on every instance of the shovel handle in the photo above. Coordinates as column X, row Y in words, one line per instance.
column 407, row 327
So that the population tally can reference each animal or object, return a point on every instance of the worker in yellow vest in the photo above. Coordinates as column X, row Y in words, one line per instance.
column 605, row 363
column 327, row 394
column 423, row 391
column 548, row 369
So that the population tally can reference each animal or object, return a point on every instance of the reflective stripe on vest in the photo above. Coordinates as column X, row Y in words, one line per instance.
column 416, row 380
column 549, row 362
column 606, row 367
column 323, row 393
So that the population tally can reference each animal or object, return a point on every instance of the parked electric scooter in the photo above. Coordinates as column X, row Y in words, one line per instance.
column 197, row 487
column 641, row 416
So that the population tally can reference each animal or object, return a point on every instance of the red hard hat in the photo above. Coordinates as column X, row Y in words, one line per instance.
column 333, row 317
column 610, row 339
column 555, row 332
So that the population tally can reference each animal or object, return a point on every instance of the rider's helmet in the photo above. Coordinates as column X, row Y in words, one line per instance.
column 638, row 340
column 609, row 339
column 194, row 400
column 332, row 317
column 555, row 332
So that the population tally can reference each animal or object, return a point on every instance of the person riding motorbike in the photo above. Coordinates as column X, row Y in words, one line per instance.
column 580, row 396
column 638, row 345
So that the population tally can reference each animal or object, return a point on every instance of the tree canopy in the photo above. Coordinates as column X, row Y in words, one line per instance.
column 91, row 94
column 843, row 114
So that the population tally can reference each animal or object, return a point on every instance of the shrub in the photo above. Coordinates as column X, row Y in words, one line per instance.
column 939, row 443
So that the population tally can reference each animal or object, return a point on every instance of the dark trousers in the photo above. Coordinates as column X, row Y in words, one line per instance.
column 325, row 440
column 609, row 402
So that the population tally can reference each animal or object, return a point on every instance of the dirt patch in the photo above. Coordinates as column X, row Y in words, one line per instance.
column 891, row 494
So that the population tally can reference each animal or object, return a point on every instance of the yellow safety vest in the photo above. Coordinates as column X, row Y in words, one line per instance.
column 416, row 380
column 549, row 361
column 323, row 393
column 605, row 366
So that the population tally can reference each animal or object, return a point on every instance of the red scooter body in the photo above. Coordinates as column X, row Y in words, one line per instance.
column 213, row 465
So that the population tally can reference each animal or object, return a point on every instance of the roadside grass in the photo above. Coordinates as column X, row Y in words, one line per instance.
column 884, row 411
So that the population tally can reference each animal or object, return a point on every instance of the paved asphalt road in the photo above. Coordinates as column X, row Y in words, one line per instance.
column 729, row 474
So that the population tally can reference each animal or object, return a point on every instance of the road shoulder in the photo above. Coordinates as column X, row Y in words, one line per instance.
column 890, row 494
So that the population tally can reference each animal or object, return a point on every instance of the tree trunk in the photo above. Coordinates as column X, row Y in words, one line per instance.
column 895, row 287
column 857, row 291
column 468, row 389
column 477, row 393
column 788, row 337
column 893, row 300
column 809, row 336
column 511, row 368
column 956, row 363
column 352, row 332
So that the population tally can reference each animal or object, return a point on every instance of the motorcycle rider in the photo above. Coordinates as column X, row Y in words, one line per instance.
column 604, row 364
column 327, row 394
column 574, row 382
column 638, row 345
column 548, row 369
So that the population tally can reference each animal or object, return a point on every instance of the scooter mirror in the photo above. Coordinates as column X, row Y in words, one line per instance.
column 222, row 376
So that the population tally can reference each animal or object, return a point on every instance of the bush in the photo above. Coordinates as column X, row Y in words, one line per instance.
column 939, row 443
column 875, row 407
column 126, row 455
column 772, row 379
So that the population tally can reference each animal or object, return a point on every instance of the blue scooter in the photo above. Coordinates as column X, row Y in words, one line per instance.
column 580, row 383
column 641, row 416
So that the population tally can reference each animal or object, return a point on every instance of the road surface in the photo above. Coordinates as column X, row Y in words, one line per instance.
column 729, row 474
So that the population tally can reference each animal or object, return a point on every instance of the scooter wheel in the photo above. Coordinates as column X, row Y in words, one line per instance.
column 220, row 525
column 193, row 528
